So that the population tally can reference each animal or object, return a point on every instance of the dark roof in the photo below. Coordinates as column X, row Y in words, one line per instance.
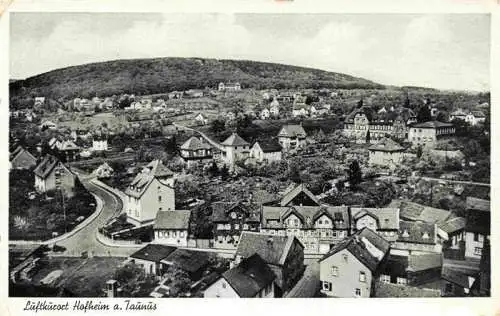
column 272, row 249
column 307, row 214
column 177, row 219
column 424, row 262
column 417, row 212
column 300, row 188
column 269, row 146
column 221, row 211
column 455, row 276
column 478, row 221
column 153, row 252
column 388, row 218
column 397, row 290
column 432, row 124
column 194, row 144
column 383, row 117
column 473, row 203
column 187, row 260
column 388, row 145
column 366, row 245
column 417, row 232
column 155, row 169
column 235, row 140
column 45, row 167
column 250, row 276
column 453, row 225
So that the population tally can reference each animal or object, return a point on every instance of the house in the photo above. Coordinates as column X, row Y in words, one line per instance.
column 265, row 114
column 452, row 232
column 394, row 122
column 52, row 174
column 172, row 228
column 193, row 262
column 458, row 115
column 284, row 255
column 81, row 133
column 456, row 282
column 251, row 278
column 410, row 211
column 65, row 147
column 235, row 148
column 351, row 267
column 48, row 125
column 292, row 137
column 298, row 194
column 316, row 227
column 149, row 258
column 386, row 153
column 39, row 101
column 175, row 95
column 266, row 151
column 300, row 110
column 477, row 229
column 229, row 220
column 228, row 86
column 413, row 270
column 475, row 118
column 20, row 158
column 195, row 151
column 416, row 238
column 103, row 171
column 191, row 93
column 427, row 134
column 100, row 142
column 274, row 108
column 150, row 192
column 200, row 119
column 384, row 221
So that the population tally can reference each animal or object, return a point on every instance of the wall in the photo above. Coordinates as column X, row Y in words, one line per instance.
column 347, row 281
column 220, row 289
column 171, row 237
column 470, row 245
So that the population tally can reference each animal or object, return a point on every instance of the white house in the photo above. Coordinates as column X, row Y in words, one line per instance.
column 265, row 114
column 150, row 192
column 292, row 137
column 235, row 148
column 266, row 151
column 200, row 119
column 172, row 228
column 477, row 229
column 274, row 108
column 99, row 143
column 229, row 86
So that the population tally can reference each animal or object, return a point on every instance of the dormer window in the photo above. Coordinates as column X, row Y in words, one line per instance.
column 405, row 234
column 425, row 235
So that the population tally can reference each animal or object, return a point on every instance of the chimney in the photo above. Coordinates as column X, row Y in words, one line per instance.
column 270, row 240
column 112, row 288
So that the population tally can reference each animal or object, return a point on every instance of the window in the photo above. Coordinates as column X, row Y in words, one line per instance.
column 182, row 234
column 320, row 222
column 327, row 286
column 223, row 285
column 362, row 276
column 357, row 292
column 334, row 233
column 335, row 271
column 245, row 226
column 236, row 226
column 476, row 237
column 160, row 209
column 159, row 198
column 296, row 222
column 401, row 281
column 478, row 250
column 326, row 222
column 384, row 278
column 344, row 256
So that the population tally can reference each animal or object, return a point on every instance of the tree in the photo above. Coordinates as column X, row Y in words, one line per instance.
column 218, row 126
column 419, row 152
column 368, row 137
column 424, row 114
column 360, row 103
column 224, row 172
column 441, row 117
column 354, row 173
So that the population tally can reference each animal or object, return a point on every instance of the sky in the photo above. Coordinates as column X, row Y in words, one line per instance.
column 444, row 51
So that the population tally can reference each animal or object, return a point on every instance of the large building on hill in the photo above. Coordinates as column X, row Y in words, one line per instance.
column 195, row 151
column 229, row 86
column 365, row 124
column 427, row 134
column 151, row 191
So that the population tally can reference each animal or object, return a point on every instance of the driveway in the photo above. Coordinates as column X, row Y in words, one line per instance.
column 85, row 239
column 308, row 285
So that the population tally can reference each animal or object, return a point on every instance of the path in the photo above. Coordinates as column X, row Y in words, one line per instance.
column 308, row 285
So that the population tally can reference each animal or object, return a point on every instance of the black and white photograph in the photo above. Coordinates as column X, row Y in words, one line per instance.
column 248, row 155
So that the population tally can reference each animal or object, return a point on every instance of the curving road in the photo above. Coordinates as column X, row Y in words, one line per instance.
column 85, row 239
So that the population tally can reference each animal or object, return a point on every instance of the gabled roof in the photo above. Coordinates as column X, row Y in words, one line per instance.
column 19, row 151
column 299, row 188
column 269, row 146
column 153, row 252
column 187, row 260
column 221, row 211
column 453, row 225
column 307, row 214
column 45, row 167
column 178, row 219
column 417, row 212
column 235, row 140
column 388, row 218
column 366, row 245
column 432, row 124
column 194, row 143
column 271, row 248
column 388, row 145
column 155, row 169
column 416, row 232
column 292, row 130
column 250, row 276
